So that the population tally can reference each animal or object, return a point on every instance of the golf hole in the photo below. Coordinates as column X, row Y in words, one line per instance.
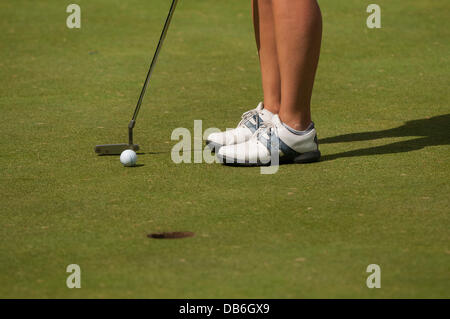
column 171, row 235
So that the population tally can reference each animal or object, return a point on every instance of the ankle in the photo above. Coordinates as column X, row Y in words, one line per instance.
column 272, row 107
column 296, row 124
column 298, row 119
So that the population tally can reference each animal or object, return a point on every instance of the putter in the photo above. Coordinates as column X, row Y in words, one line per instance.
column 115, row 149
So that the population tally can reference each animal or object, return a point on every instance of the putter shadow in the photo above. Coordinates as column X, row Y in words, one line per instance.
column 110, row 155
column 152, row 153
column 170, row 151
column 137, row 153
column 432, row 131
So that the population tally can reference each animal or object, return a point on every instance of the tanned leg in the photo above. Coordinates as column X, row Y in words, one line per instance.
column 263, row 21
column 298, row 34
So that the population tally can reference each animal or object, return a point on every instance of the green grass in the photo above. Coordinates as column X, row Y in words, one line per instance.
column 380, row 195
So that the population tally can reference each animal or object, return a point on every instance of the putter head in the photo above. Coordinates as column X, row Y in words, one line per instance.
column 115, row 149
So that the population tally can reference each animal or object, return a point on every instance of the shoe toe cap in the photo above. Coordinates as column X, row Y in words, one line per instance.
column 216, row 137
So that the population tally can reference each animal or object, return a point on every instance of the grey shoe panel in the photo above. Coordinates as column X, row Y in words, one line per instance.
column 253, row 127
column 287, row 154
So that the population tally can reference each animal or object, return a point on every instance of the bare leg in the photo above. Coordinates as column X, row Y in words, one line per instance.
column 298, row 33
column 263, row 21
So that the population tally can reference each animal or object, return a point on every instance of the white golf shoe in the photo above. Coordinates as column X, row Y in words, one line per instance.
column 273, row 143
column 249, row 124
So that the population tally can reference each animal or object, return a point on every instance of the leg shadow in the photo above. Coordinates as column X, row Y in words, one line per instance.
column 432, row 131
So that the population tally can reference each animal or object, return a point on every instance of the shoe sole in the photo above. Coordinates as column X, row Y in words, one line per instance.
column 305, row 158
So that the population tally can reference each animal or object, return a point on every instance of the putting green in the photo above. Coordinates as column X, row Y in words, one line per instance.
column 379, row 196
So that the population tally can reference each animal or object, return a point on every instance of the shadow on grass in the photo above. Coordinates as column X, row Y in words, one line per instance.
column 138, row 153
column 136, row 166
column 432, row 131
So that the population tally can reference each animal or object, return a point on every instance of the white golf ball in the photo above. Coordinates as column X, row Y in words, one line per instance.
column 128, row 158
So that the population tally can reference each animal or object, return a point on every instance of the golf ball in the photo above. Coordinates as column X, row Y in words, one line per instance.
column 128, row 158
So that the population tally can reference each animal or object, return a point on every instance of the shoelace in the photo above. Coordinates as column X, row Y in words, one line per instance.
column 265, row 127
column 249, row 114
column 269, row 128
